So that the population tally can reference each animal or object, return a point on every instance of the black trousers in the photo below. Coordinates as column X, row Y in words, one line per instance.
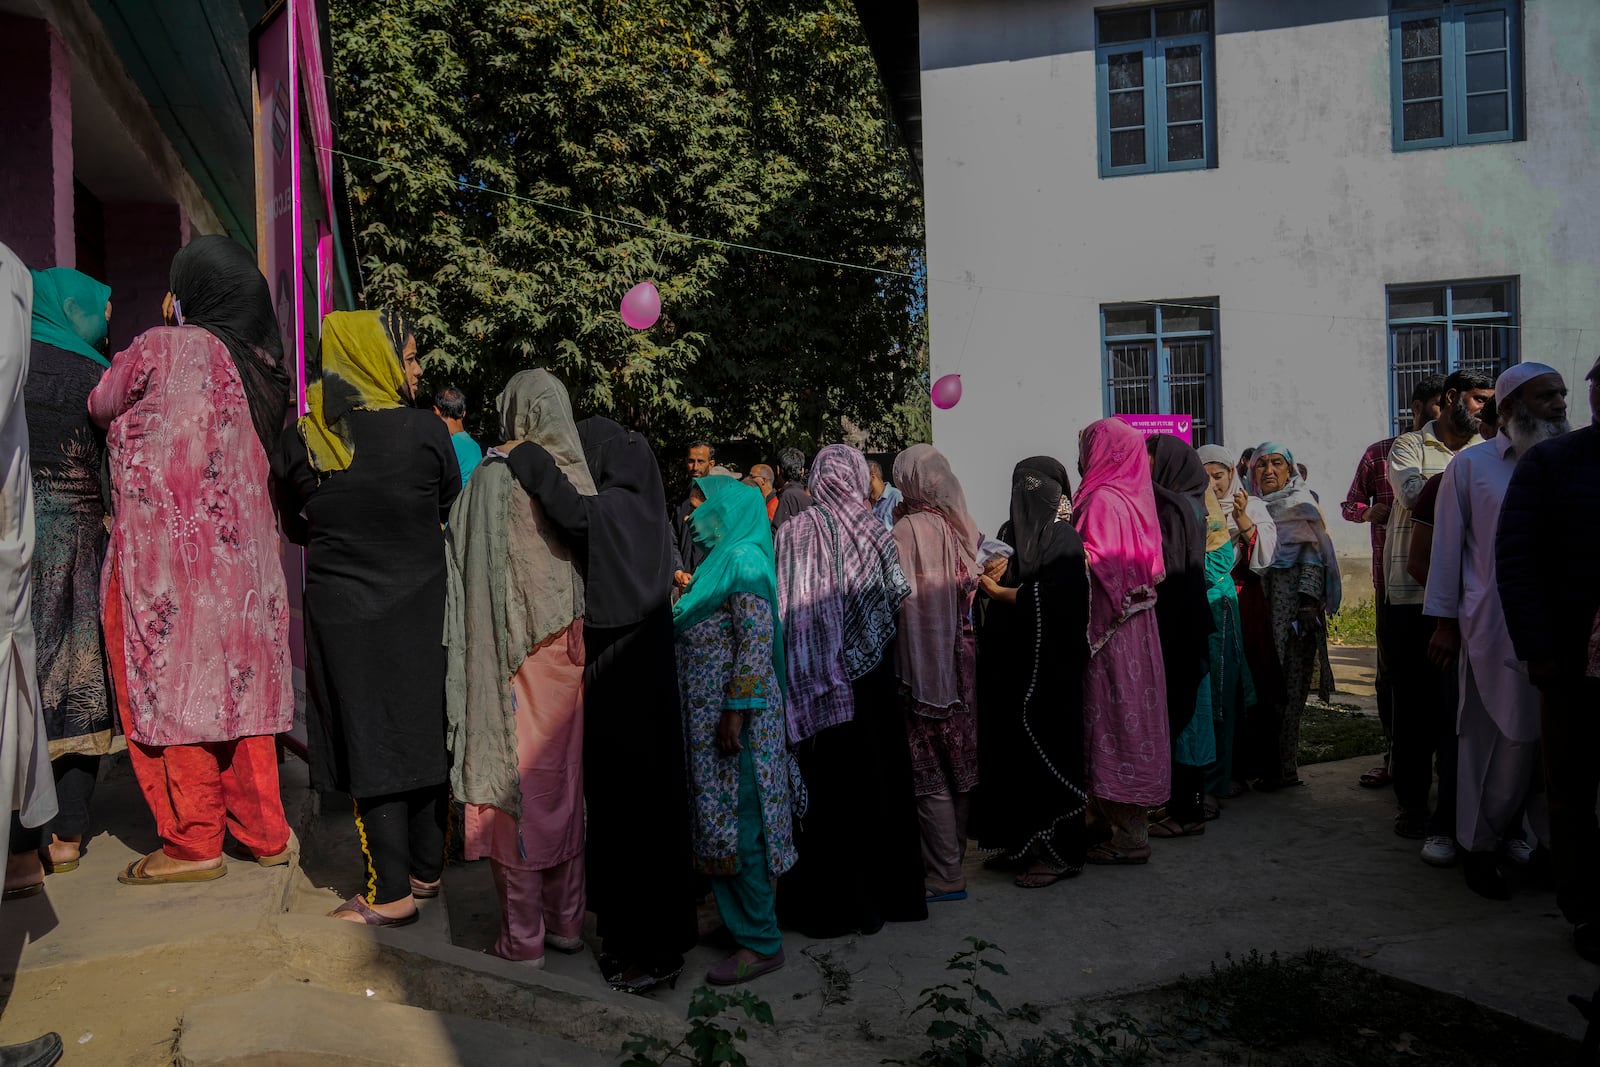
column 1382, row 688
column 75, row 780
column 1571, row 716
column 1423, row 718
column 402, row 835
column 1187, row 805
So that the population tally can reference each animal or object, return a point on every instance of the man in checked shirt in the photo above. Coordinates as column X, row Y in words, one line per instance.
column 1369, row 500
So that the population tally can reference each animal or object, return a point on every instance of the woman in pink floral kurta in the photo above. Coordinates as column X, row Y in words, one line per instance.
column 197, row 617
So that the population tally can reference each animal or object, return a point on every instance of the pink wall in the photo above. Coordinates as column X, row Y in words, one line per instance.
column 36, row 128
column 141, row 240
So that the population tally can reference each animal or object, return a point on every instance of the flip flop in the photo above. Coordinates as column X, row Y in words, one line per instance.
column 63, row 867
column 1169, row 827
column 1212, row 812
column 1107, row 856
column 733, row 972
column 1043, row 878
column 424, row 890
column 22, row 892
column 935, row 896
column 358, row 906
column 1376, row 778
column 134, row 874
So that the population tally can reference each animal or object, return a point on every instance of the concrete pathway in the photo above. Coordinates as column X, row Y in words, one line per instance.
column 1316, row 866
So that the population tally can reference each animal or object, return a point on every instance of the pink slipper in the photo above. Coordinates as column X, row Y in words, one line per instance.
column 734, row 971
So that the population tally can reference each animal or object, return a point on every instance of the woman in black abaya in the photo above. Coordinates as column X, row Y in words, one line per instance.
column 1032, row 647
column 640, row 880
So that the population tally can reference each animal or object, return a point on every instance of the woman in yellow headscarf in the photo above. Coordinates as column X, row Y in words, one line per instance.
column 365, row 480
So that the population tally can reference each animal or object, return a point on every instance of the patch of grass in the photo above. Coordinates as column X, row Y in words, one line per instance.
column 1315, row 1009
column 1356, row 624
column 1328, row 732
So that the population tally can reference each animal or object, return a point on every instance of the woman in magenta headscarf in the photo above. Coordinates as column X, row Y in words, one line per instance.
column 1124, row 685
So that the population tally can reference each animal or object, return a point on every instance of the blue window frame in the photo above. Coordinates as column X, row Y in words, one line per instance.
column 1155, row 88
column 1455, row 72
column 1161, row 359
column 1444, row 327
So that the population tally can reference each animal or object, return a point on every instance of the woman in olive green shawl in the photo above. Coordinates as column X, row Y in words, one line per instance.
column 514, row 686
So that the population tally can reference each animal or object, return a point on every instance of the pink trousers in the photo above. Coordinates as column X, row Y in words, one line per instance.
column 533, row 903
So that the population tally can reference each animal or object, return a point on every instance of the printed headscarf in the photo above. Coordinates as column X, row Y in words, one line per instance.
column 733, row 527
column 839, row 585
column 358, row 369
column 1115, row 512
column 69, row 312
column 220, row 289
column 1299, row 524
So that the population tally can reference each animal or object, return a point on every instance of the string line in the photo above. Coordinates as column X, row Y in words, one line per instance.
column 886, row 271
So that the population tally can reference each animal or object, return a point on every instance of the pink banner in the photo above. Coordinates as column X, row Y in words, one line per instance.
column 1179, row 426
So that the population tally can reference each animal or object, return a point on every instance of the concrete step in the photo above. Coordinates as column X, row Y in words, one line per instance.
column 289, row 1024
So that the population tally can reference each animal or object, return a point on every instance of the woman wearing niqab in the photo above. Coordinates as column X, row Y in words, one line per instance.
column 196, row 608
column 635, row 793
column 840, row 587
column 1183, row 618
column 514, row 683
column 936, row 658
column 364, row 481
column 1126, row 733
column 1032, row 647
column 71, row 318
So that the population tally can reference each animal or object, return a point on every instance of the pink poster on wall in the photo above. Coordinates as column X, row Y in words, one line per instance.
column 1179, row 426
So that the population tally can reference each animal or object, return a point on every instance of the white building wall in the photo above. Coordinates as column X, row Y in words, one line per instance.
column 1309, row 214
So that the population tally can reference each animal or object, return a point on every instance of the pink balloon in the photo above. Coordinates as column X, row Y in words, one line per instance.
column 641, row 306
column 947, row 392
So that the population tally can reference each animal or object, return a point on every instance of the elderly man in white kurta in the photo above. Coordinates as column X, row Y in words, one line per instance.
column 1498, row 711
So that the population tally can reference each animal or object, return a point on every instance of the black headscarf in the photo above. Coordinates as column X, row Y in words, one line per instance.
column 1180, row 482
column 629, row 573
column 1038, row 485
column 216, row 281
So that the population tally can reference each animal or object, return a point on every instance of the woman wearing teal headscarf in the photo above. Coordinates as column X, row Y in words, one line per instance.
column 731, row 676
column 71, row 317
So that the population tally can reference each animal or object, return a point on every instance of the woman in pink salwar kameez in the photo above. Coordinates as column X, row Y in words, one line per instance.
column 514, row 681
column 196, row 607
column 1124, row 685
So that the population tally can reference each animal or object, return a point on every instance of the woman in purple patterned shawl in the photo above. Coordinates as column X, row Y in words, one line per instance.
column 839, row 589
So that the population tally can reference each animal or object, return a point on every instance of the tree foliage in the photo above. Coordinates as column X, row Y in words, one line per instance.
column 762, row 124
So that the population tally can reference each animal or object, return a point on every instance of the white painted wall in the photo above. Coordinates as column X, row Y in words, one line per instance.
column 1309, row 214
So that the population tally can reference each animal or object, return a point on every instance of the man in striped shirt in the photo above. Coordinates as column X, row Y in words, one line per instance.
column 1370, row 500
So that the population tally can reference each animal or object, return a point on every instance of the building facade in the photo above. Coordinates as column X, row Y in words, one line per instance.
column 1272, row 216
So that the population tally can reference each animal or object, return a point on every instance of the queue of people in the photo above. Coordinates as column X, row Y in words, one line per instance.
column 807, row 692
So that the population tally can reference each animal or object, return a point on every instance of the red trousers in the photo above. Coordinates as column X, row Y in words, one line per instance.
column 196, row 791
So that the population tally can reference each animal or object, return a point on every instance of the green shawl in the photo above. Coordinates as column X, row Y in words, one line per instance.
column 69, row 311
column 733, row 527
column 513, row 584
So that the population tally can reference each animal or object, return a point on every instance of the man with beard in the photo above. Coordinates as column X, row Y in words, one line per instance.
column 1548, row 574
column 697, row 462
column 1424, row 701
column 1497, row 721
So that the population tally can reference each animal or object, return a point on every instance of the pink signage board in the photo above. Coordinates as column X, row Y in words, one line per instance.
column 1179, row 426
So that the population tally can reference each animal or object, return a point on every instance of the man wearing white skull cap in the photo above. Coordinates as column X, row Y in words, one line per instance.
column 1497, row 713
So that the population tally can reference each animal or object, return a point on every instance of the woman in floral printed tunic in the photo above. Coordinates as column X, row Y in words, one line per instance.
column 731, row 673
column 196, row 608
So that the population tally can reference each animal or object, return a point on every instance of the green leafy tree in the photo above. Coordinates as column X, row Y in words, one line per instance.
column 761, row 124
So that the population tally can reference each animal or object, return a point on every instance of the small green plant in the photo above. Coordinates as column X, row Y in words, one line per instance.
column 708, row 1043
column 1356, row 624
column 970, row 1025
